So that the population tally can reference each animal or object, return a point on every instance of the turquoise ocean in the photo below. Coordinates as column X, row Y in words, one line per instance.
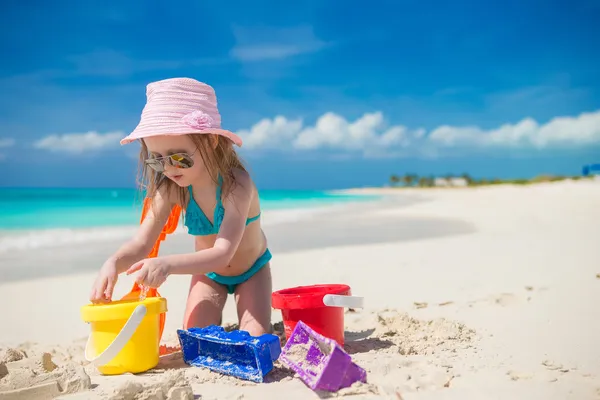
column 25, row 209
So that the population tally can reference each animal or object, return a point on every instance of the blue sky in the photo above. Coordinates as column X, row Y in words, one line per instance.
column 326, row 94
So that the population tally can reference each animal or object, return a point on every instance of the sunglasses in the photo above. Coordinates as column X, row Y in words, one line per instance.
column 177, row 160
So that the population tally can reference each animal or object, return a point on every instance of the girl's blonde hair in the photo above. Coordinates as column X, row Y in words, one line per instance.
column 218, row 155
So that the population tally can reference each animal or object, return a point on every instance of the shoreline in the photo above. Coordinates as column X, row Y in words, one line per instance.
column 286, row 230
column 31, row 239
column 391, row 190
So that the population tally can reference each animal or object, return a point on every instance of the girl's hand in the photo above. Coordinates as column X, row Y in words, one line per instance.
column 102, row 289
column 153, row 271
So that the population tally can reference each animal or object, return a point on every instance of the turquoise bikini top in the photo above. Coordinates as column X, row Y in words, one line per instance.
column 197, row 222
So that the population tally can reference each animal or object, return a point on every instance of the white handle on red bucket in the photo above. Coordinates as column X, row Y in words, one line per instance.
column 336, row 300
column 120, row 341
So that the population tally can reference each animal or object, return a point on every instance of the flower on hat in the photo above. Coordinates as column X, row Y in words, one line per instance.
column 198, row 120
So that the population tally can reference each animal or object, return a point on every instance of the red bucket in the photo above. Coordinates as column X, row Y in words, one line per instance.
column 305, row 303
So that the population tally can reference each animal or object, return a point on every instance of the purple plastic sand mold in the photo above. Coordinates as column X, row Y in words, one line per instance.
column 320, row 362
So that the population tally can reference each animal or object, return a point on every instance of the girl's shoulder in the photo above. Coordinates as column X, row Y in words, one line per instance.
column 244, row 185
column 242, row 177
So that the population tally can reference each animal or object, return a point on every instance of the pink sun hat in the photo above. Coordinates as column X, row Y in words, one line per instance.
column 180, row 106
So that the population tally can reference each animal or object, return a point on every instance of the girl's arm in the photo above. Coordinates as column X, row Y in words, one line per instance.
column 140, row 245
column 218, row 257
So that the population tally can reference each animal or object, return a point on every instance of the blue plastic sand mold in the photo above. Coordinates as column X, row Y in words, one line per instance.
column 235, row 353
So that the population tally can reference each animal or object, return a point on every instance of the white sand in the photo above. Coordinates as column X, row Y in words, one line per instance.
column 497, row 299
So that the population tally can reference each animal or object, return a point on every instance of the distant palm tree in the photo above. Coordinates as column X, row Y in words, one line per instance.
column 467, row 178
column 431, row 181
column 414, row 178
column 423, row 181
column 410, row 179
column 394, row 180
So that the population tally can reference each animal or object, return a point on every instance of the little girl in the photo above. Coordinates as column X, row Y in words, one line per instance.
column 188, row 160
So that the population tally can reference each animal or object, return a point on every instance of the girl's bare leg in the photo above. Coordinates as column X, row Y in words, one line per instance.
column 205, row 303
column 253, row 299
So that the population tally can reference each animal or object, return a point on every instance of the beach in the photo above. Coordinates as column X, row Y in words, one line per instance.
column 470, row 293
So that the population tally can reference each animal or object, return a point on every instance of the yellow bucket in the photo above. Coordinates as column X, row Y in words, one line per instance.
column 125, row 335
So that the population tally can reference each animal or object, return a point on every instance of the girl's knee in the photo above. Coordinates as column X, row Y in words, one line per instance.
column 255, row 328
column 256, row 324
column 198, row 319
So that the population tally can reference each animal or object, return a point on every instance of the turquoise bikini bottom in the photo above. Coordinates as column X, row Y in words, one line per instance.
column 231, row 282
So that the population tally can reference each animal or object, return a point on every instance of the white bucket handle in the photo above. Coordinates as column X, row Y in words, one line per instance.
column 120, row 341
column 336, row 300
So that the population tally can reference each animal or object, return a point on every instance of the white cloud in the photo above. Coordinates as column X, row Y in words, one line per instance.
column 332, row 130
column 7, row 142
column 268, row 43
column 77, row 143
column 271, row 133
column 581, row 130
column 371, row 136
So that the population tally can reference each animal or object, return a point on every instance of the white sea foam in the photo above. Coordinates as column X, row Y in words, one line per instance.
column 35, row 239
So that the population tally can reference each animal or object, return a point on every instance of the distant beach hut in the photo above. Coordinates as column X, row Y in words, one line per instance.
column 458, row 182
column 443, row 182
column 446, row 182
